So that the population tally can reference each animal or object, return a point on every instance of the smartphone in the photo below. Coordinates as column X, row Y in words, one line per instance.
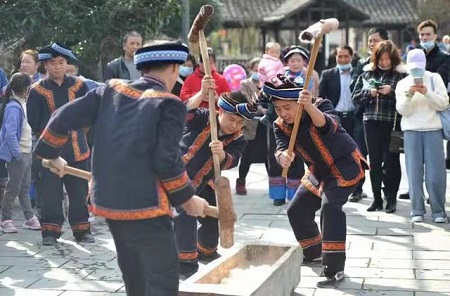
column 418, row 80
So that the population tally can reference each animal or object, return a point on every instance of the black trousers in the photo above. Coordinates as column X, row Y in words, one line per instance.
column 254, row 152
column 190, row 240
column 331, row 243
column 147, row 256
column 51, row 188
column 384, row 165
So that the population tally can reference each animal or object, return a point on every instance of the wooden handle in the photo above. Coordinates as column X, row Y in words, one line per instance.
column 298, row 117
column 70, row 170
column 212, row 212
column 211, row 100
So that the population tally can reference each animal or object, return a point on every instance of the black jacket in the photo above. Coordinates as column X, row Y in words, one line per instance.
column 116, row 69
column 438, row 61
column 330, row 85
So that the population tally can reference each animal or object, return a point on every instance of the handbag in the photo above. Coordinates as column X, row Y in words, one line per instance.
column 396, row 144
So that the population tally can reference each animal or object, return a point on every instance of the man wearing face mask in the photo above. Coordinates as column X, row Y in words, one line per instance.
column 185, row 70
column 438, row 60
column 191, row 90
column 334, row 85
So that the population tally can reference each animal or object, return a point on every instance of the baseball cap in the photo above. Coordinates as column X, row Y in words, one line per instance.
column 416, row 59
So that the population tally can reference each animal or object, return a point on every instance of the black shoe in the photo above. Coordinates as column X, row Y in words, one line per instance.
column 355, row 197
column 207, row 259
column 404, row 196
column 279, row 202
column 49, row 241
column 312, row 262
column 447, row 164
column 375, row 206
column 84, row 238
column 391, row 209
column 332, row 281
column 428, row 201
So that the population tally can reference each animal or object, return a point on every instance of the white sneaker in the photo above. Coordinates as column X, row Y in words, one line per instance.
column 417, row 219
column 440, row 220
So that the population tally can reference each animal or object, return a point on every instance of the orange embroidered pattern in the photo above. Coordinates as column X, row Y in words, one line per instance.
column 283, row 127
column 74, row 88
column 139, row 214
column 53, row 139
column 76, row 148
column 48, row 95
column 81, row 227
column 176, row 183
column 206, row 168
column 306, row 157
column 309, row 242
column 124, row 89
column 229, row 162
column 204, row 250
column 333, row 246
column 188, row 256
column 51, row 227
column 198, row 143
column 157, row 94
column 317, row 191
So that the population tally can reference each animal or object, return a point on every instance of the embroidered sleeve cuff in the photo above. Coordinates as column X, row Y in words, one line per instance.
column 227, row 163
column 179, row 189
column 50, row 144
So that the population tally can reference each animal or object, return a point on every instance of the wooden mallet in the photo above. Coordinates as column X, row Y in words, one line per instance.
column 313, row 33
column 224, row 200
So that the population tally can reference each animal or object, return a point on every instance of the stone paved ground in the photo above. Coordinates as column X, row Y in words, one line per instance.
column 387, row 254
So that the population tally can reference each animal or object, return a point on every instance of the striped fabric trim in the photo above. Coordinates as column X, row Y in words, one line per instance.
column 204, row 250
column 188, row 256
column 309, row 242
column 81, row 227
column 160, row 55
column 177, row 183
column 51, row 227
column 138, row 214
column 53, row 139
column 333, row 247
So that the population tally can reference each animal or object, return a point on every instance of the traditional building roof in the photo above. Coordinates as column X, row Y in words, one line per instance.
column 387, row 13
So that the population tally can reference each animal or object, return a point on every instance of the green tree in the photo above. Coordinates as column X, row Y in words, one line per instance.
column 92, row 27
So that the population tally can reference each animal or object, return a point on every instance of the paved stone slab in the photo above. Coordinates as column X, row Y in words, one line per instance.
column 78, row 293
column 106, row 275
column 393, row 242
column 426, row 241
column 407, row 285
column 90, row 264
column 390, row 254
column 426, row 274
column 83, row 285
column 30, row 261
column 344, row 292
column 433, row 255
column 19, row 248
column 363, row 230
column 411, row 264
column 348, row 283
column 28, row 292
column 357, row 272
column 303, row 292
column 431, row 294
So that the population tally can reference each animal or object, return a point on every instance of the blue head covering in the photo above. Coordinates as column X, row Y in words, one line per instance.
column 165, row 53
column 285, row 90
column 55, row 50
column 228, row 104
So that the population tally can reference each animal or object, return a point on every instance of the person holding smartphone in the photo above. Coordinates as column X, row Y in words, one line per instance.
column 420, row 96
column 375, row 90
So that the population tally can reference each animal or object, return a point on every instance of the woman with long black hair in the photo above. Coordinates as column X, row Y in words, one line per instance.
column 15, row 149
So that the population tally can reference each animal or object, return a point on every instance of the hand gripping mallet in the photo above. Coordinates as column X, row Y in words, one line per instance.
column 313, row 33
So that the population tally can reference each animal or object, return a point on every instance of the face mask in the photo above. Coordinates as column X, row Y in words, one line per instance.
column 417, row 72
column 344, row 67
column 185, row 71
column 255, row 76
column 384, row 68
column 427, row 45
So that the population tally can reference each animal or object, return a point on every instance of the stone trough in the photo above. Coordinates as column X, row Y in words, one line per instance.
column 252, row 270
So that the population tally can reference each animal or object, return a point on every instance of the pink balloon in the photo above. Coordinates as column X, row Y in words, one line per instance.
column 234, row 74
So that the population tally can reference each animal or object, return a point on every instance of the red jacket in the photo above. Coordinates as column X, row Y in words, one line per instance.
column 193, row 84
